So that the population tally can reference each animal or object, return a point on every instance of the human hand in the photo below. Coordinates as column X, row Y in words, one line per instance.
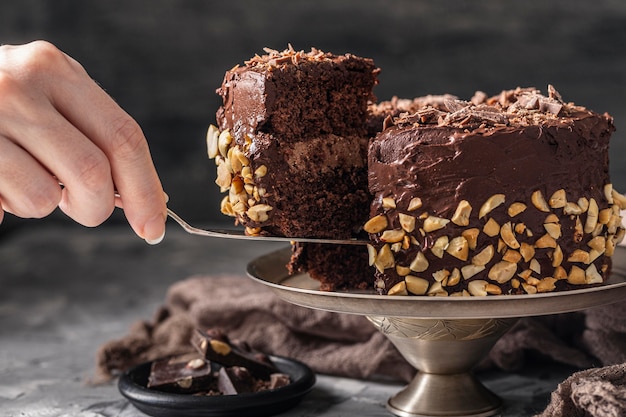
column 58, row 126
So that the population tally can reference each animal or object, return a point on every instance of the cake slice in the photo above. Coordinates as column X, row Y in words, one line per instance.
column 291, row 143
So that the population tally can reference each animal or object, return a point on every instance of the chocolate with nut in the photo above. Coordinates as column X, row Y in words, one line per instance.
column 182, row 374
column 215, row 346
column 219, row 367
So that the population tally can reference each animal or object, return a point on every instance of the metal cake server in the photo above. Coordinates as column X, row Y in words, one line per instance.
column 240, row 234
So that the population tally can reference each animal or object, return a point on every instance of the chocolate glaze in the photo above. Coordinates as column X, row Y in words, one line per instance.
column 443, row 163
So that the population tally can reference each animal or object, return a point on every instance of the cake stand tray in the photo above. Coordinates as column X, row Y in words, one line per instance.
column 442, row 337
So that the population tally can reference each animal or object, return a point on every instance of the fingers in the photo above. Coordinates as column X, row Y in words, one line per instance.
column 78, row 134
column 27, row 189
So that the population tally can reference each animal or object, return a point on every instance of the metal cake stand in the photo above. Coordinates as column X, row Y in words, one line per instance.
column 442, row 337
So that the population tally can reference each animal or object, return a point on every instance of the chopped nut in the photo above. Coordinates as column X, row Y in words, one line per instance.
column 511, row 255
column 484, row 256
column 407, row 222
column 436, row 290
column 592, row 216
column 403, row 270
column 385, row 259
column 598, row 243
column 515, row 283
column 420, row 263
column 502, row 272
column 258, row 213
column 576, row 276
column 226, row 208
column 462, row 213
column 560, row 273
column 527, row 251
column 579, row 255
column 529, row 288
column 220, row 347
column 491, row 203
column 253, row 231
column 506, row 232
column 396, row 247
column 491, row 228
column 440, row 245
column 416, row 285
column 392, row 236
column 545, row 241
column 551, row 218
column 195, row 363
column 212, row 135
column 471, row 235
column 224, row 177
column 572, row 208
column 539, row 202
column 432, row 223
column 608, row 193
column 516, row 208
column 592, row 276
column 441, row 276
column 525, row 274
column 558, row 199
column 389, row 203
column 520, row 228
column 376, row 224
column 398, row 289
column 594, row 254
column 493, row 289
column 223, row 141
column 557, row 256
column 535, row 266
column 458, row 248
column 578, row 230
column 583, row 203
column 604, row 216
column 260, row 172
column 371, row 254
column 469, row 271
column 477, row 287
column 414, row 204
column 455, row 277
column 619, row 199
column 553, row 229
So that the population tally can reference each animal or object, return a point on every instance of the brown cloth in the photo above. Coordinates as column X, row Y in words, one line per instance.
column 348, row 345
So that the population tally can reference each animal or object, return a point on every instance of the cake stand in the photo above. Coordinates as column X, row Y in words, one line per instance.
column 442, row 337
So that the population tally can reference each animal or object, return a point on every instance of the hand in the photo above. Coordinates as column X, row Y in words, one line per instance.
column 58, row 126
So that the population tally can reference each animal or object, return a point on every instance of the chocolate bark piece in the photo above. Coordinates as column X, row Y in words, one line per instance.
column 181, row 374
column 235, row 380
column 215, row 346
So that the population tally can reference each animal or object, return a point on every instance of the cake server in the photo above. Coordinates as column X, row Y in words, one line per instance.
column 240, row 234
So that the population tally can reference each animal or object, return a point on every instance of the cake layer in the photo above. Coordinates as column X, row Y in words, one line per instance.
column 505, row 196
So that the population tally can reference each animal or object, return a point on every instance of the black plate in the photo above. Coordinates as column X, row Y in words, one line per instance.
column 132, row 385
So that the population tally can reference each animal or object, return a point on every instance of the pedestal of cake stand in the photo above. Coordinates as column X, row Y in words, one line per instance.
column 442, row 337
column 444, row 352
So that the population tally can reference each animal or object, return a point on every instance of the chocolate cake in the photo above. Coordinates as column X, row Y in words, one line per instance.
column 496, row 195
column 503, row 195
column 291, row 143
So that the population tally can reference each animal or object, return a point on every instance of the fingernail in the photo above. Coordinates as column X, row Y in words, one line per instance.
column 156, row 224
column 167, row 197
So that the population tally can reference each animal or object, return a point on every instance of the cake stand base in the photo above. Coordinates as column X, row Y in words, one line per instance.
column 444, row 351
column 444, row 395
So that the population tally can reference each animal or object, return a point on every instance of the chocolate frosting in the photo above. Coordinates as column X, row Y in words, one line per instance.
column 512, row 144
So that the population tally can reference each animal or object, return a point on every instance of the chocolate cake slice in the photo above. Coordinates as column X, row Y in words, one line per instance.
column 291, row 143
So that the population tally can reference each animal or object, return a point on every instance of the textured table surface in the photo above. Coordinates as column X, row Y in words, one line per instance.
column 64, row 290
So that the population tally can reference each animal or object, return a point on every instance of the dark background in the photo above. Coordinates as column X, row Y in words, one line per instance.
column 162, row 60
